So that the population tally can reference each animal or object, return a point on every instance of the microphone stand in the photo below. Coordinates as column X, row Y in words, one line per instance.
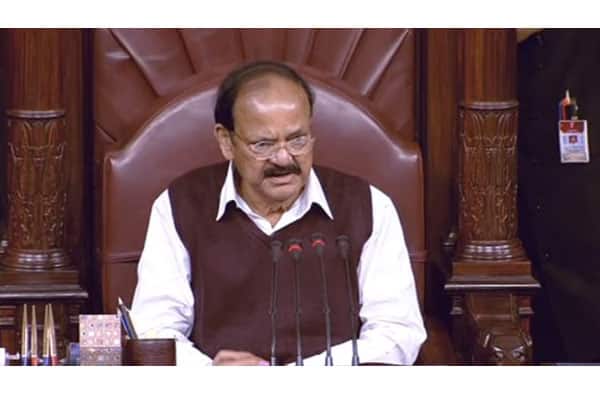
column 344, row 248
column 295, row 249
column 276, row 254
column 318, row 242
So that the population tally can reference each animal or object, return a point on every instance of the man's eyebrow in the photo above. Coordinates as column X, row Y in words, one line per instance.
column 298, row 132
column 263, row 136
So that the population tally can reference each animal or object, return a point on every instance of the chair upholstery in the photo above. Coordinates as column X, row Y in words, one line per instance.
column 155, row 154
column 137, row 70
column 155, row 125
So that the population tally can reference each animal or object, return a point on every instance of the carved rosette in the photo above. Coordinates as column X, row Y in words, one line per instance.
column 487, row 182
column 36, row 190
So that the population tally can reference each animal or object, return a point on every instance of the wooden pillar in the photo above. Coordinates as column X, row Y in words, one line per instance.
column 487, row 180
column 491, row 282
column 35, row 267
column 36, row 182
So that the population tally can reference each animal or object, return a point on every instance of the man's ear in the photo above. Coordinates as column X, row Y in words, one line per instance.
column 224, row 139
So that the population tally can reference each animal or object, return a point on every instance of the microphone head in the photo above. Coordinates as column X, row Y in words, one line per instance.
column 318, row 242
column 294, row 247
column 276, row 250
column 343, row 244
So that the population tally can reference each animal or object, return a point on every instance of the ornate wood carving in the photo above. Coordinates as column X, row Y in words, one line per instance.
column 487, row 182
column 37, row 174
column 492, row 327
column 495, row 329
column 36, row 189
column 491, row 280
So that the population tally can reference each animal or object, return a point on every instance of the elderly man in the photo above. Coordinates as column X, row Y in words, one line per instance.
column 206, row 270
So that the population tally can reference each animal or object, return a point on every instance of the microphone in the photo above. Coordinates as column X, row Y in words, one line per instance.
column 318, row 243
column 295, row 249
column 343, row 244
column 275, row 255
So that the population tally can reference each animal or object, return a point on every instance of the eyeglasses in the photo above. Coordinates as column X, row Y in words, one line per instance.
column 267, row 149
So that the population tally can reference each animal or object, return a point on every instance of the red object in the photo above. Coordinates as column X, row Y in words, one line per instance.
column 294, row 247
column 318, row 242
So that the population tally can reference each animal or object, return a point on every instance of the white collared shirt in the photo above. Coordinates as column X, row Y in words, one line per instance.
column 392, row 327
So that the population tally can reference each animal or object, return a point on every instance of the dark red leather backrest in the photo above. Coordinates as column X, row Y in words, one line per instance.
column 136, row 68
column 175, row 135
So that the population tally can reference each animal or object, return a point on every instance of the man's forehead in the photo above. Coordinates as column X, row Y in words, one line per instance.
column 262, row 82
column 270, row 84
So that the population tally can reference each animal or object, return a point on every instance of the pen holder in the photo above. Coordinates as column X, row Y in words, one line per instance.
column 149, row 352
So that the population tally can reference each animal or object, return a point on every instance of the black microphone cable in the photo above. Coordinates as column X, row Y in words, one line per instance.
column 343, row 244
column 318, row 243
column 276, row 255
column 295, row 249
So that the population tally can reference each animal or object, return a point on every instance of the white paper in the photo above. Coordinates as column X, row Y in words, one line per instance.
column 573, row 141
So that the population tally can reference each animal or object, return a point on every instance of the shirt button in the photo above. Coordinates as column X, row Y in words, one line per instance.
column 538, row 207
column 547, row 255
column 540, row 66
column 540, row 39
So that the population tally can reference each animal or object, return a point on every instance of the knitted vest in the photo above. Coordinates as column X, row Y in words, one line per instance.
column 231, row 266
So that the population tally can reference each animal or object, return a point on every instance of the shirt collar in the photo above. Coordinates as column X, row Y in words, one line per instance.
column 312, row 193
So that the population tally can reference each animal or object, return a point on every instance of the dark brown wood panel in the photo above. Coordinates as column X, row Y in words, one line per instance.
column 76, row 87
column 8, row 331
column 492, row 64
column 442, row 75
column 34, row 68
column 3, row 135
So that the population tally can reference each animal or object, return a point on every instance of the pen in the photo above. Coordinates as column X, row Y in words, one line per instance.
column 45, row 339
column 126, row 320
column 52, row 333
column 562, row 106
column 24, row 338
column 34, row 345
column 567, row 108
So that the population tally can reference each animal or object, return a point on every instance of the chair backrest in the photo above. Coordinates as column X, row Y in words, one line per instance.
column 175, row 136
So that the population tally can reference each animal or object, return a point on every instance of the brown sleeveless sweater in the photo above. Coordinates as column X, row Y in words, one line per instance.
column 231, row 266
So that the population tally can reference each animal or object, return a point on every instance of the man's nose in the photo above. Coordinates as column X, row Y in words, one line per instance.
column 281, row 156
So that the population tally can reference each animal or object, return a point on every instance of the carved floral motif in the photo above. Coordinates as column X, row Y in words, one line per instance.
column 36, row 184
column 487, row 180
